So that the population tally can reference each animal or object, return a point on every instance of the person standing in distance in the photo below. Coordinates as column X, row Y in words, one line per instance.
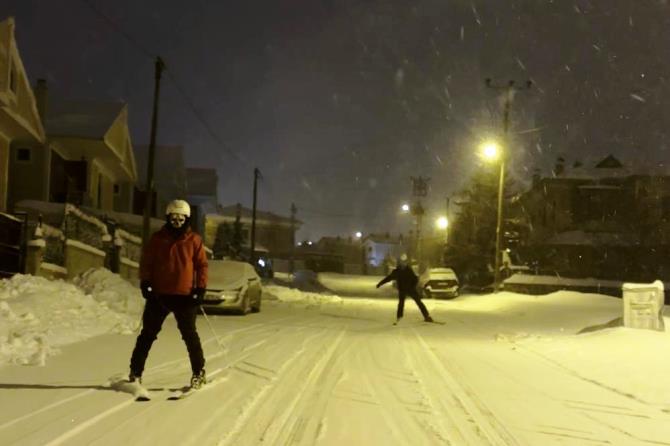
column 173, row 279
column 407, row 282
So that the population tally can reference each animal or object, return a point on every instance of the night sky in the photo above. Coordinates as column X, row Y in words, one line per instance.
column 338, row 103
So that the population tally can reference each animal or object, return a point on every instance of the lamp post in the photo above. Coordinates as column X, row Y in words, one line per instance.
column 491, row 151
column 509, row 91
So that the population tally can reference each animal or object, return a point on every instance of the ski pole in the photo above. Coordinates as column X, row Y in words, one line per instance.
column 223, row 350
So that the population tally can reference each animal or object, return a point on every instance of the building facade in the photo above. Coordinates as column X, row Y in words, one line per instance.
column 22, row 137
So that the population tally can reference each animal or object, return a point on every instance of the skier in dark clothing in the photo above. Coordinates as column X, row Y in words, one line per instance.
column 173, row 275
column 406, row 281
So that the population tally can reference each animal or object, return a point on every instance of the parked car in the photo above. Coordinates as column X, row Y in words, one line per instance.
column 232, row 286
column 439, row 283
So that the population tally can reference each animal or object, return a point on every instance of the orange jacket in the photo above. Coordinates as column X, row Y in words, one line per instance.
column 174, row 265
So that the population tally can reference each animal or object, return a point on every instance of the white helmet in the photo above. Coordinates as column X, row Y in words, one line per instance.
column 178, row 207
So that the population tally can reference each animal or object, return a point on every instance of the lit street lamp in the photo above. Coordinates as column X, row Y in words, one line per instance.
column 442, row 223
column 490, row 151
column 359, row 234
column 405, row 207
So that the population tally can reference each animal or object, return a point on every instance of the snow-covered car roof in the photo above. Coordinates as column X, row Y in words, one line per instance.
column 229, row 274
column 445, row 272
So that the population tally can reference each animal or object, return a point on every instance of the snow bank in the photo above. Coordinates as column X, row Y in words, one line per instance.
column 109, row 288
column 292, row 295
column 38, row 315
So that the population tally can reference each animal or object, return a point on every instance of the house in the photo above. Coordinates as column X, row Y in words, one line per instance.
column 202, row 186
column 169, row 178
column 599, row 219
column 22, row 135
column 273, row 232
column 381, row 248
column 86, row 159
column 92, row 162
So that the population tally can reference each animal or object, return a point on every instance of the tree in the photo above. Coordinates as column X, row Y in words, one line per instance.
column 471, row 248
column 229, row 240
column 238, row 238
column 224, row 236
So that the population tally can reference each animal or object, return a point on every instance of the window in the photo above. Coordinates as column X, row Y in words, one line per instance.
column 24, row 155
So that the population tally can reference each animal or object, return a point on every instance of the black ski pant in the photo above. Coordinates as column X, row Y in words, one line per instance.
column 156, row 310
column 414, row 295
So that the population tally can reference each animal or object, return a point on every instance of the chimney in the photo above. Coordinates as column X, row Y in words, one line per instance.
column 41, row 98
column 559, row 167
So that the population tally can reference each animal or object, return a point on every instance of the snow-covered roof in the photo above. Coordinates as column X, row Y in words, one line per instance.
column 611, row 167
column 228, row 212
column 382, row 238
column 83, row 119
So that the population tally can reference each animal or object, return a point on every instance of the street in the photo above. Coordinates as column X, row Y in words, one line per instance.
column 331, row 372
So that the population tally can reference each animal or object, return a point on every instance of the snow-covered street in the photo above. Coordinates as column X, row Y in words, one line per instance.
column 318, row 369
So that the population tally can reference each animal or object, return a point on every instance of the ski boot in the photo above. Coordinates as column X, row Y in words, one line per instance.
column 135, row 378
column 198, row 380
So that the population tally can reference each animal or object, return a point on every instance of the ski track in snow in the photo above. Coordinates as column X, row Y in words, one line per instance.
column 295, row 376
column 157, row 373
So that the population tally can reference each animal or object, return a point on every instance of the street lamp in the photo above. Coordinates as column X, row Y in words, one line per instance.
column 509, row 90
column 359, row 234
column 442, row 223
column 490, row 150
column 405, row 207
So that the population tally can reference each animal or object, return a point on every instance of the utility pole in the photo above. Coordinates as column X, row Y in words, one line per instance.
column 252, row 258
column 419, row 190
column 291, row 262
column 509, row 91
column 149, row 187
column 446, row 237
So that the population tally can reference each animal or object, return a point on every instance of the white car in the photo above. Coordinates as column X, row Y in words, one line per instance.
column 439, row 282
column 232, row 286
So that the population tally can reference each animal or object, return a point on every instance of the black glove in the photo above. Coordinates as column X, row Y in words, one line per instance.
column 198, row 295
column 147, row 291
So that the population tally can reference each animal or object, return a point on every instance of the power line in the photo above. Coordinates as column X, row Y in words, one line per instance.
column 191, row 105
column 118, row 29
column 202, row 120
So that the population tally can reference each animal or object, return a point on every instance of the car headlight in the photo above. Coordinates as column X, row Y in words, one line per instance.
column 224, row 295
column 231, row 295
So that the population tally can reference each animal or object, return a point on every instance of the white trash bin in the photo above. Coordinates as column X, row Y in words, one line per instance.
column 643, row 305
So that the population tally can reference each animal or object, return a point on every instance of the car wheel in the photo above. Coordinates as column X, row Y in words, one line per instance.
column 257, row 308
column 244, row 307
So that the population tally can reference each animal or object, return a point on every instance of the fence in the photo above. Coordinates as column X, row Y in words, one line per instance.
column 74, row 241
column 11, row 246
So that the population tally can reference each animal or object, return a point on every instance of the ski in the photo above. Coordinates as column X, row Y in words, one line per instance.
column 137, row 390
column 186, row 391
column 436, row 322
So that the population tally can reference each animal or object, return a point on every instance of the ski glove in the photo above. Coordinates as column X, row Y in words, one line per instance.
column 198, row 295
column 147, row 291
